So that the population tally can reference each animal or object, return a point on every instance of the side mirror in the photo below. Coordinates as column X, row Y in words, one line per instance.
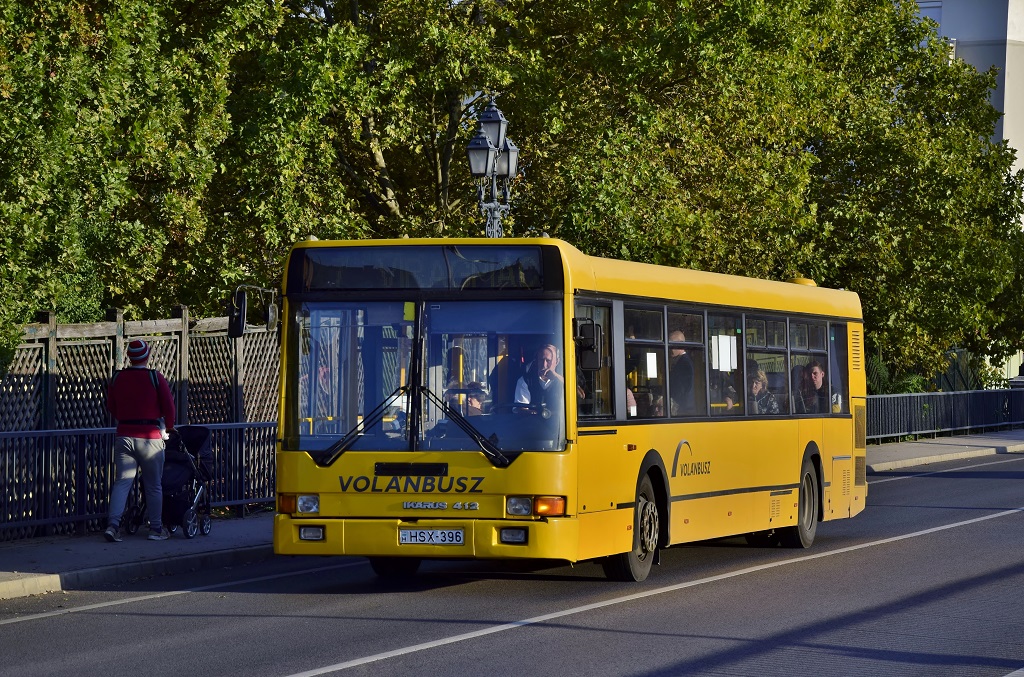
column 272, row 316
column 589, row 360
column 585, row 337
column 236, row 313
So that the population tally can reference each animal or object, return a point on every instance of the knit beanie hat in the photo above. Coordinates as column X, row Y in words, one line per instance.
column 138, row 351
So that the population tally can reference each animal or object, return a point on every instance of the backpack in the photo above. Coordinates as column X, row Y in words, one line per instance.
column 156, row 386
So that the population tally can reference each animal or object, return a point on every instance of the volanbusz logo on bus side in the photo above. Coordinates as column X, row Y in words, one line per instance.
column 688, row 469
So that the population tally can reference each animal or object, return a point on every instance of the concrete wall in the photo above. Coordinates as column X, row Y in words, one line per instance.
column 990, row 33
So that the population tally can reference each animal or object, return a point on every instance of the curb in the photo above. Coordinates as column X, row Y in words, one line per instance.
column 36, row 584
column 925, row 460
column 884, row 466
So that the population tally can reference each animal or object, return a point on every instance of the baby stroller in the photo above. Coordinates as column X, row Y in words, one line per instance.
column 188, row 467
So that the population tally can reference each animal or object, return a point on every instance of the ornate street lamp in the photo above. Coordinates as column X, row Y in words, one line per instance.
column 493, row 162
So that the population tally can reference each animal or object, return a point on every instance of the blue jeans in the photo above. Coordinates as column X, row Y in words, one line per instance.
column 131, row 453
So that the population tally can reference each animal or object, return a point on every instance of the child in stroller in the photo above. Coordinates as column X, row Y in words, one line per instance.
column 188, row 466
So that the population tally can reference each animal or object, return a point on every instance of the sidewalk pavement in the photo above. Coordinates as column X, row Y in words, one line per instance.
column 41, row 565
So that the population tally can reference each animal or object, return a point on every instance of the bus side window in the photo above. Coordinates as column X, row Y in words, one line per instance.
column 726, row 382
column 686, row 364
column 838, row 364
column 597, row 400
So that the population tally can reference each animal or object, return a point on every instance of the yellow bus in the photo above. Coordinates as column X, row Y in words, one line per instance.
column 517, row 399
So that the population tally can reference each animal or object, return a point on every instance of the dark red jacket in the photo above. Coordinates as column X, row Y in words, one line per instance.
column 132, row 397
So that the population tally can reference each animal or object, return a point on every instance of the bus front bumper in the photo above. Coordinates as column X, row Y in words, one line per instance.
column 552, row 538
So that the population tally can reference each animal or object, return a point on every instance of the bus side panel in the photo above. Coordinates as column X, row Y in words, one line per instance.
column 608, row 468
column 605, row 533
column 727, row 475
column 837, row 466
column 605, row 467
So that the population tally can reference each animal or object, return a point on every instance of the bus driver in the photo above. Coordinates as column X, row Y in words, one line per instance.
column 542, row 384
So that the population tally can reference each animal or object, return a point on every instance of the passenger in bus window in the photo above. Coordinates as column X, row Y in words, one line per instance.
column 820, row 399
column 468, row 401
column 760, row 397
column 542, row 384
column 475, row 399
column 723, row 393
column 657, row 403
column 680, row 377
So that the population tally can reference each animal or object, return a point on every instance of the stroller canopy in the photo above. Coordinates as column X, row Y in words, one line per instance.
column 197, row 442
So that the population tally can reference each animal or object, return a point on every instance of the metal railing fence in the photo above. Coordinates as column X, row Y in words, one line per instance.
column 55, row 482
column 894, row 416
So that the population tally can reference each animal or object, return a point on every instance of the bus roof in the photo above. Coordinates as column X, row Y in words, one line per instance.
column 614, row 277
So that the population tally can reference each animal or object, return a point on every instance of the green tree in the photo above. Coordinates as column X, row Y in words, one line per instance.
column 113, row 111
column 918, row 210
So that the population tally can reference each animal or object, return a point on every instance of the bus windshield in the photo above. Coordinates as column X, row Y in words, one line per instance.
column 472, row 379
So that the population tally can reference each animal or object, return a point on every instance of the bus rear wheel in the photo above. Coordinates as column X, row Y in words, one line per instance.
column 801, row 535
column 394, row 568
column 635, row 565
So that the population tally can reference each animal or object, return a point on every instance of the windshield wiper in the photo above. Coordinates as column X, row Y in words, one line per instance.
column 333, row 452
column 490, row 449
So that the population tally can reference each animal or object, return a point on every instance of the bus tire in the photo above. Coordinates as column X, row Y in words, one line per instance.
column 394, row 568
column 635, row 565
column 801, row 535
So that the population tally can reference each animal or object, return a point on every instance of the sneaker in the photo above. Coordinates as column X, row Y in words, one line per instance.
column 161, row 535
column 113, row 534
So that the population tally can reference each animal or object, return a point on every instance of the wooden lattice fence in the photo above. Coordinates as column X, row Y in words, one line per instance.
column 55, row 435
column 59, row 376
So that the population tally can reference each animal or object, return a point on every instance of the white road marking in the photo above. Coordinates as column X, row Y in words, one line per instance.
column 172, row 593
column 939, row 472
column 631, row 598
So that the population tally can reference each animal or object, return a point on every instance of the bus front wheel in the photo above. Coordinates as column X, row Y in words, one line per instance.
column 635, row 565
column 394, row 568
column 801, row 535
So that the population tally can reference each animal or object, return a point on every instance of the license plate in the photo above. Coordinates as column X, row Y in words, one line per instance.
column 431, row 536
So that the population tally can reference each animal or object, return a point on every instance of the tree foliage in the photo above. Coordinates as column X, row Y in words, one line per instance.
column 163, row 152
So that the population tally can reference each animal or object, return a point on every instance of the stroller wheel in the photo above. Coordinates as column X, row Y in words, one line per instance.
column 132, row 519
column 173, row 528
column 190, row 523
column 205, row 525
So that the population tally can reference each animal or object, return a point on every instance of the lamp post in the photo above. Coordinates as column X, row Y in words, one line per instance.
column 493, row 162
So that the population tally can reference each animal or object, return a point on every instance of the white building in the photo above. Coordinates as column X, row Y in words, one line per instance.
column 987, row 33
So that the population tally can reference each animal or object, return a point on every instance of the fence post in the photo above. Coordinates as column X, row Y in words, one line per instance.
column 81, row 484
column 49, row 418
column 116, row 315
column 183, row 368
column 49, row 318
column 238, row 462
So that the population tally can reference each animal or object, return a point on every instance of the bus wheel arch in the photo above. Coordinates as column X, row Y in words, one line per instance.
column 654, row 468
column 650, row 524
column 810, row 510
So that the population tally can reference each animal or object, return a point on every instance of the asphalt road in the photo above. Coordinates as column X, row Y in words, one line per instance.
column 928, row 580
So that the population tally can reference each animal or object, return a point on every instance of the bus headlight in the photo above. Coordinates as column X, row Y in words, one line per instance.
column 520, row 506
column 308, row 503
